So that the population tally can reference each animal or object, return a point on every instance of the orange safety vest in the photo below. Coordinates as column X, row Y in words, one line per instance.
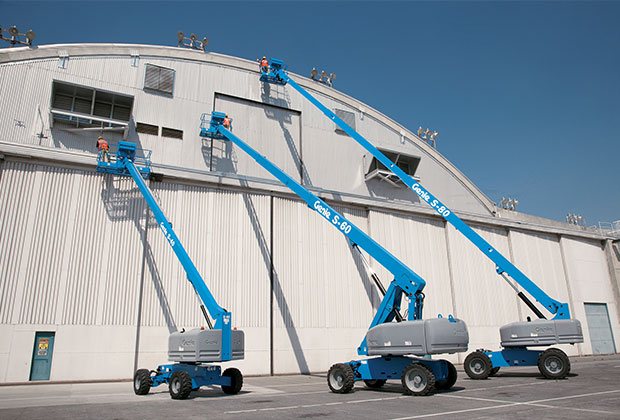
column 102, row 144
column 264, row 63
column 226, row 122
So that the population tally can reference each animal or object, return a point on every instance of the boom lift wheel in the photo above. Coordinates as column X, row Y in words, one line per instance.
column 553, row 364
column 236, row 381
column 450, row 380
column 180, row 385
column 340, row 378
column 418, row 380
column 375, row 383
column 142, row 382
column 478, row 365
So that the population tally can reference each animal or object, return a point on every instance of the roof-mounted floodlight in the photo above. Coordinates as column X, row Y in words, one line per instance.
column 192, row 42
column 15, row 37
column 428, row 135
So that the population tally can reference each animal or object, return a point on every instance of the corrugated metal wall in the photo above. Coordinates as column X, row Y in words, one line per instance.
column 421, row 244
column 323, row 296
column 590, row 282
column 482, row 298
column 76, row 249
column 69, row 259
column 227, row 235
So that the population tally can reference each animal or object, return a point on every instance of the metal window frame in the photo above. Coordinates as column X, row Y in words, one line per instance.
column 385, row 174
column 90, row 116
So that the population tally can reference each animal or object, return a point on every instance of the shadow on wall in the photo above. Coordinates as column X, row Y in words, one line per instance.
column 277, row 97
column 119, row 204
column 278, row 293
column 65, row 135
column 385, row 191
column 369, row 286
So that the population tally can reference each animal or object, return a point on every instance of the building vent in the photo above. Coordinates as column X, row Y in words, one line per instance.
column 88, row 107
column 147, row 129
column 377, row 170
column 172, row 133
column 347, row 117
column 159, row 79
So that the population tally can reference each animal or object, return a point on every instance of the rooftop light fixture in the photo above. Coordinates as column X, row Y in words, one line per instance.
column 428, row 135
column 14, row 36
column 191, row 42
column 509, row 203
column 575, row 219
column 324, row 77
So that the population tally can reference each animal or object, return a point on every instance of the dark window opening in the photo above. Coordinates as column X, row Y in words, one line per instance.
column 147, row 129
column 88, row 107
column 172, row 133
column 408, row 164
column 159, row 79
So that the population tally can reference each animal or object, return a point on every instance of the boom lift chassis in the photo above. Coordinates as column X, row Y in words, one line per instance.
column 192, row 348
column 515, row 337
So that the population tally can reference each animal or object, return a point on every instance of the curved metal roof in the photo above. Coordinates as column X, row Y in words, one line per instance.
column 9, row 55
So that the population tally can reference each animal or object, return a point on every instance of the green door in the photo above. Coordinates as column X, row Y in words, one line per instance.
column 42, row 356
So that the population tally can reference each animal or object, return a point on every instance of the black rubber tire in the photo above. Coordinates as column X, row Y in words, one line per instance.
column 340, row 378
column 375, row 383
column 494, row 371
column 450, row 380
column 417, row 380
column 478, row 365
column 236, row 381
column 554, row 364
column 142, row 381
column 180, row 385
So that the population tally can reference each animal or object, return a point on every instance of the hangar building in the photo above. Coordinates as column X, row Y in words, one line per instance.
column 84, row 268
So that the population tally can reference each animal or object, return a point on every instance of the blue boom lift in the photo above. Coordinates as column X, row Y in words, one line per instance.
column 193, row 350
column 553, row 363
column 392, row 343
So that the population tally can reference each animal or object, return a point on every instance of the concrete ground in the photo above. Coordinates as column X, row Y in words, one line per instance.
column 592, row 391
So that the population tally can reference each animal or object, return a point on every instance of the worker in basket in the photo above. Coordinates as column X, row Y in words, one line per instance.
column 104, row 149
column 264, row 65
column 226, row 122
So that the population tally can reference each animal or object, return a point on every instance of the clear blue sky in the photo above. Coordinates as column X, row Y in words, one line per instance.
column 526, row 95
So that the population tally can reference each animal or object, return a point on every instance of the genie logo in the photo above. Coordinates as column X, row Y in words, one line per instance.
column 321, row 209
column 419, row 191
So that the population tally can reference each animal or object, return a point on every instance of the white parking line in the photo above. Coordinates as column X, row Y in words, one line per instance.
column 493, row 388
column 568, row 397
column 292, row 407
column 534, row 403
column 587, row 410
column 500, row 404
column 446, row 413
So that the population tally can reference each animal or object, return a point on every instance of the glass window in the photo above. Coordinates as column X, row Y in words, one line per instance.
column 73, row 103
